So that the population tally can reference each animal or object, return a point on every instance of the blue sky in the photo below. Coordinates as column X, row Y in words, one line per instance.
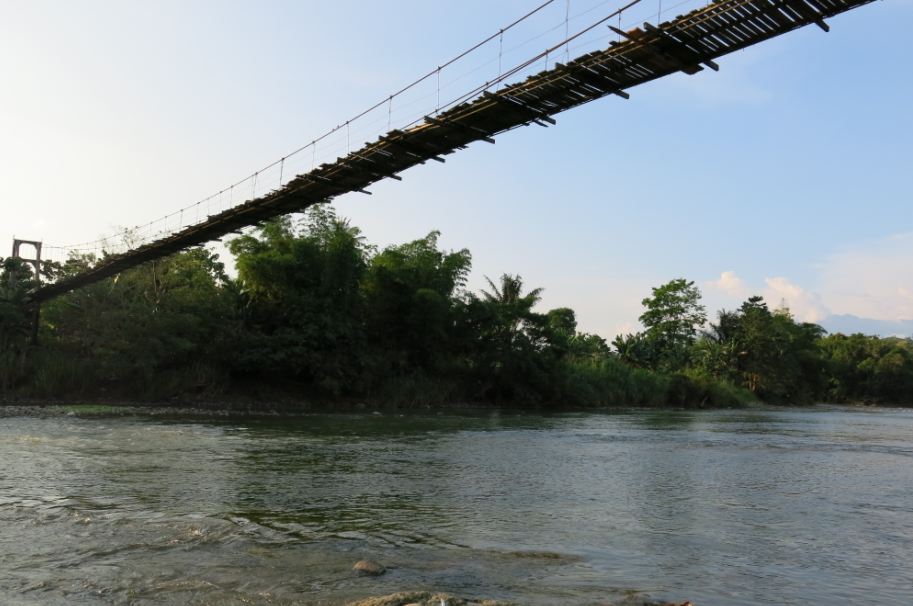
column 789, row 173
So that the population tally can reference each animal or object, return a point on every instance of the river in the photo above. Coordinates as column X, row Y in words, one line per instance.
column 810, row 506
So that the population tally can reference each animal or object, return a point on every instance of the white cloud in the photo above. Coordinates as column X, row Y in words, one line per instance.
column 730, row 284
column 805, row 306
column 874, row 280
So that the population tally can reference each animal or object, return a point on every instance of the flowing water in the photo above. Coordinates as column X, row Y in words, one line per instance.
column 728, row 507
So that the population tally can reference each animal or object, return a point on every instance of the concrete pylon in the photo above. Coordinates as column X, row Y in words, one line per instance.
column 34, row 262
column 36, row 265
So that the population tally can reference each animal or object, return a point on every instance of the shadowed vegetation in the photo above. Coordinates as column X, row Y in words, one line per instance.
column 315, row 314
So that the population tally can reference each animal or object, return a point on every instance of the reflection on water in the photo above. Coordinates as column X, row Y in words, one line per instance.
column 667, row 419
column 759, row 507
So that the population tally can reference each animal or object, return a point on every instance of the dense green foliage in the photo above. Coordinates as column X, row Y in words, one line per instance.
column 14, row 326
column 315, row 314
column 866, row 368
column 672, row 320
column 767, row 352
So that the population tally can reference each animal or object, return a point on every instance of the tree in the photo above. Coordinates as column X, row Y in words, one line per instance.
column 564, row 339
column 517, row 347
column 512, row 311
column 768, row 353
column 672, row 318
column 563, row 321
column 508, row 295
column 633, row 350
column 153, row 330
column 15, row 279
column 410, row 297
column 300, row 283
column 868, row 368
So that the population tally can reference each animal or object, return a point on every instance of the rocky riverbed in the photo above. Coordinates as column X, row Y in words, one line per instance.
column 428, row 598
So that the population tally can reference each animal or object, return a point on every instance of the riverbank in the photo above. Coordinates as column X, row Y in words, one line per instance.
column 227, row 409
column 283, row 402
column 213, row 409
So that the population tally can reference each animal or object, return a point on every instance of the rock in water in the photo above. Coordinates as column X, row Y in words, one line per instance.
column 425, row 598
column 368, row 568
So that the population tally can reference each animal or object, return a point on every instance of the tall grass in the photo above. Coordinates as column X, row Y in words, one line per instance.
column 609, row 383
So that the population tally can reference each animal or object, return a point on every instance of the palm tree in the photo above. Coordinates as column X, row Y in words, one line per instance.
column 510, row 303
column 510, row 292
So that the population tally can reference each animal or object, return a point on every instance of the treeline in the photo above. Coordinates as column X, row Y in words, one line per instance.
column 315, row 314
column 767, row 352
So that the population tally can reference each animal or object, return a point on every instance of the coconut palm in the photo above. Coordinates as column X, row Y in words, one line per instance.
column 510, row 292
column 510, row 304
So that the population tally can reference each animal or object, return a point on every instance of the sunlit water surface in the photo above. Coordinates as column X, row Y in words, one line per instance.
column 760, row 507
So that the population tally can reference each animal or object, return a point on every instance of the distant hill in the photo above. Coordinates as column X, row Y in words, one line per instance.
column 849, row 324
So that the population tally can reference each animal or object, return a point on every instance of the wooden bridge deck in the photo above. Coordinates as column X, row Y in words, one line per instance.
column 687, row 43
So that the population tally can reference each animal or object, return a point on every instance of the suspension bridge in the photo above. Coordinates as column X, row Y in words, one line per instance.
column 688, row 43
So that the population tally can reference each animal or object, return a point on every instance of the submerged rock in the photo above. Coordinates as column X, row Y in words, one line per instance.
column 368, row 568
column 428, row 598
column 425, row 598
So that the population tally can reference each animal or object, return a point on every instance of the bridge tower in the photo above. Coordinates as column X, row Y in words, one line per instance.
column 35, row 263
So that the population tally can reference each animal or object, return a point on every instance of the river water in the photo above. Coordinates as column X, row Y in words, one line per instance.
column 721, row 507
